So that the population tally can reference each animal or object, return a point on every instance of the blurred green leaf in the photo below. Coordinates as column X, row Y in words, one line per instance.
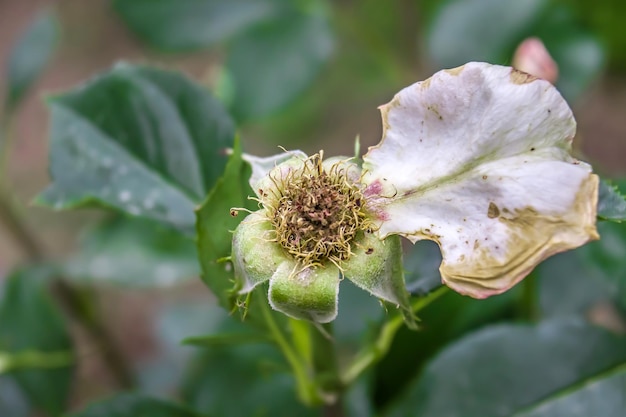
column 29, row 320
column 225, row 330
column 421, row 264
column 611, row 203
column 12, row 400
column 134, row 405
column 182, row 25
column 577, row 51
column 277, row 60
column 30, row 55
column 226, row 339
column 442, row 322
column 602, row 396
column 134, row 253
column 256, row 372
column 458, row 34
column 358, row 312
column 142, row 140
column 162, row 372
column 581, row 60
column 570, row 285
column 479, row 30
column 503, row 369
column 606, row 19
column 605, row 259
column 357, row 401
column 34, row 359
column 214, row 226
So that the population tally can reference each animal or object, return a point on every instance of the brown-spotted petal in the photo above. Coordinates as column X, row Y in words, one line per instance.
column 477, row 158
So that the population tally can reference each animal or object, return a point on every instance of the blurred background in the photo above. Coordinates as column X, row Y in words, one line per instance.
column 305, row 74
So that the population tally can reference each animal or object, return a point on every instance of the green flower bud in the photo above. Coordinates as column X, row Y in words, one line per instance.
column 312, row 230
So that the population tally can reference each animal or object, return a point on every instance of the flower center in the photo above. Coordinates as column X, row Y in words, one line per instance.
column 317, row 213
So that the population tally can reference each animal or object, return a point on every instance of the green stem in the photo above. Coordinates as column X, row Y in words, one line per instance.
column 6, row 127
column 33, row 359
column 374, row 353
column 326, row 367
column 16, row 227
column 305, row 385
column 530, row 298
column 80, row 306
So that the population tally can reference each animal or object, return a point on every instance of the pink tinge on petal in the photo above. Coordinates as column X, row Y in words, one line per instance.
column 374, row 189
column 532, row 57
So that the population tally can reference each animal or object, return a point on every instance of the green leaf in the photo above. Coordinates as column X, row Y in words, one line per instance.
column 226, row 339
column 580, row 57
column 225, row 330
column 133, row 253
column 611, row 203
column 161, row 373
column 504, row 369
column 182, row 25
column 144, row 141
column 421, row 264
column 577, row 51
column 277, row 60
column 604, row 259
column 30, row 55
column 12, row 400
column 596, row 397
column 441, row 322
column 29, row 320
column 257, row 372
column 214, row 226
column 134, row 405
column 458, row 33
column 570, row 284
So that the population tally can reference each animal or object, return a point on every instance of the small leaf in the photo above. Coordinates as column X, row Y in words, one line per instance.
column 226, row 339
column 277, row 60
column 506, row 368
column 611, row 203
column 141, row 140
column 596, row 397
column 30, row 56
column 182, row 25
column 134, row 405
column 133, row 253
column 215, row 224
column 29, row 320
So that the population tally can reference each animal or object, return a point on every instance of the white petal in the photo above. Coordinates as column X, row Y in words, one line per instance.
column 476, row 159
column 261, row 166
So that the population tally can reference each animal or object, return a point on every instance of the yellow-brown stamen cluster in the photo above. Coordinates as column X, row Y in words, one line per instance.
column 316, row 213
